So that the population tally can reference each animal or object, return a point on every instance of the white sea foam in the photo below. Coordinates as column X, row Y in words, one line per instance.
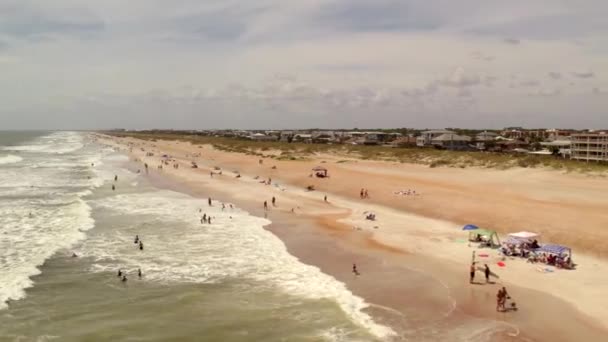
column 179, row 248
column 57, row 143
column 42, row 209
column 10, row 159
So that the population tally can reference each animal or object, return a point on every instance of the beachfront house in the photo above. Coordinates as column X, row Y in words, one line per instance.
column 323, row 137
column 302, row 138
column 262, row 137
column 452, row 141
column 558, row 147
column 426, row 137
column 486, row 136
column 485, row 140
column 590, row 147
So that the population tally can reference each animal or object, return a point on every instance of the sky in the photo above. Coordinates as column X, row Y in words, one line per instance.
column 254, row 64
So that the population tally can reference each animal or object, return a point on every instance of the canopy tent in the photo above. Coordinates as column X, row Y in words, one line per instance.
column 489, row 236
column 524, row 235
column 554, row 249
column 470, row 227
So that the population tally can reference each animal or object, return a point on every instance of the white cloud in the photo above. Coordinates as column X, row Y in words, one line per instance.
column 350, row 58
column 555, row 75
column 461, row 78
column 583, row 74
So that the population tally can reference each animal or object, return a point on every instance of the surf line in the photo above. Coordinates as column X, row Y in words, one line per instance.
column 386, row 308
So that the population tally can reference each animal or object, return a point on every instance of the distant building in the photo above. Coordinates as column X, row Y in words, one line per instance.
column 302, row 138
column 589, row 147
column 426, row 137
column 263, row 137
column 486, row 136
column 559, row 134
column 452, row 141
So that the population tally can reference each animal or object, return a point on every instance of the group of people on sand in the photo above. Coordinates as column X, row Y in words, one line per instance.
column 363, row 193
column 123, row 275
column 501, row 301
column 407, row 192
column 473, row 270
column 501, row 296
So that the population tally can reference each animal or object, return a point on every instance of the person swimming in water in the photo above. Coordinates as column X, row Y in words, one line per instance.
column 136, row 239
column 119, row 273
column 141, row 245
column 115, row 178
column 113, row 187
column 124, row 278
column 139, row 273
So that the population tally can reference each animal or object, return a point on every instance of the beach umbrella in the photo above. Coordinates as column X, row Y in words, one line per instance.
column 470, row 227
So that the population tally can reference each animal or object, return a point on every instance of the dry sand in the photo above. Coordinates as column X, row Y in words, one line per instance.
column 423, row 232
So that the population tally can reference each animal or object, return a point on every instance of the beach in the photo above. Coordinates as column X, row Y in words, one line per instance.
column 413, row 259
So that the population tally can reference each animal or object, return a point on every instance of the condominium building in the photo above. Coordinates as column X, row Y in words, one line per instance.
column 589, row 147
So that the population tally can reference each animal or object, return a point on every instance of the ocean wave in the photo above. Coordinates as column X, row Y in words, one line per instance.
column 42, row 208
column 56, row 143
column 27, row 241
column 180, row 249
column 10, row 159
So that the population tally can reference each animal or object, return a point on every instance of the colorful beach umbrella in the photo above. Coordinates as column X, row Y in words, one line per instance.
column 470, row 227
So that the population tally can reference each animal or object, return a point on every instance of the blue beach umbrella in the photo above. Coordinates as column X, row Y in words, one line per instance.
column 470, row 227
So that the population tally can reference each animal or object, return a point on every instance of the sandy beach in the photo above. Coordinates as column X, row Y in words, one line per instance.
column 413, row 258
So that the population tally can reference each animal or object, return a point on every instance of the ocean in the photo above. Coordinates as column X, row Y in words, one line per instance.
column 231, row 280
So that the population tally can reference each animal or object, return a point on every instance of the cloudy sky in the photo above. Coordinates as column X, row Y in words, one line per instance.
column 303, row 63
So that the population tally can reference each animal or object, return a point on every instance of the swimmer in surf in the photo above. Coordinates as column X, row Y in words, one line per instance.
column 141, row 245
column 139, row 273
column 119, row 273
column 136, row 239
column 124, row 278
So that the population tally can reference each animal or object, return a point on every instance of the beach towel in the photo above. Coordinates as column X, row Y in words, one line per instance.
column 483, row 255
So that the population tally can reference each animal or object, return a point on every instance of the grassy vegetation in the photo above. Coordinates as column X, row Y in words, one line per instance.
column 426, row 156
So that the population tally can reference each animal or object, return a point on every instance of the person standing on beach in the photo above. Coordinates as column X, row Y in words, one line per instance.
column 209, row 201
column 487, row 273
column 115, row 178
column 355, row 271
column 325, row 198
column 265, row 205
column 361, row 193
column 274, row 200
column 472, row 273
column 113, row 187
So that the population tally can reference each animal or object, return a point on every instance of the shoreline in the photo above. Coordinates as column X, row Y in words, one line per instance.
column 378, row 259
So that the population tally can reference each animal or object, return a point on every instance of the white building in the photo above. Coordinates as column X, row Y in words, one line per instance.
column 427, row 136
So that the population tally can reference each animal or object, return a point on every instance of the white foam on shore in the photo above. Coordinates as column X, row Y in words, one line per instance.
column 178, row 248
column 10, row 159
column 42, row 209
